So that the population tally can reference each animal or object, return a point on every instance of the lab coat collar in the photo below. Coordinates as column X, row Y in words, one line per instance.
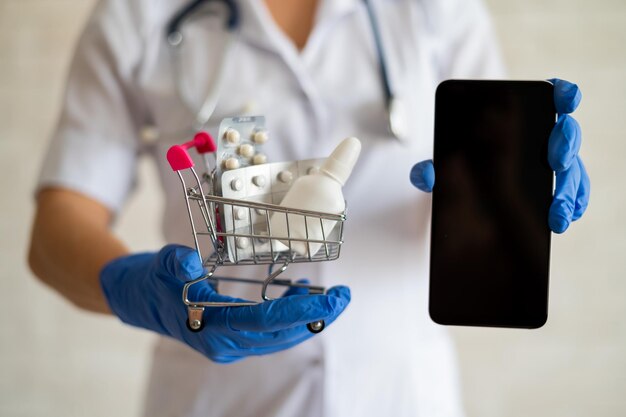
column 259, row 29
column 329, row 10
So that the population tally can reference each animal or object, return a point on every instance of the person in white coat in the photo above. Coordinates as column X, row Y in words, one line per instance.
column 311, row 68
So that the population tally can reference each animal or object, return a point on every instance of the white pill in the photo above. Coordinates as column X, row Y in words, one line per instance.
column 236, row 184
column 241, row 213
column 259, row 211
column 313, row 170
column 231, row 163
column 260, row 137
column 258, row 180
column 246, row 150
column 242, row 242
column 259, row 159
column 285, row 176
column 232, row 136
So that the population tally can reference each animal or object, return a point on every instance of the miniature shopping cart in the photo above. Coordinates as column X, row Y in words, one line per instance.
column 220, row 243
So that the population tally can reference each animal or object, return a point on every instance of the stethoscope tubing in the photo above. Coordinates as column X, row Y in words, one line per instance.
column 175, row 39
column 380, row 53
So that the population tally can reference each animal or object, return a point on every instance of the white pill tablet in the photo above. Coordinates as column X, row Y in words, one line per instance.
column 246, row 150
column 232, row 136
column 231, row 163
column 259, row 180
column 241, row 213
column 313, row 170
column 259, row 159
column 242, row 242
column 285, row 176
column 236, row 184
column 260, row 137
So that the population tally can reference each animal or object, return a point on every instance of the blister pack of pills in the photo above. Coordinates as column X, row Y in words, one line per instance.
column 240, row 143
column 265, row 183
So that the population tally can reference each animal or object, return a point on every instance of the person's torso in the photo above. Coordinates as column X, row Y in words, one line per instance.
column 383, row 356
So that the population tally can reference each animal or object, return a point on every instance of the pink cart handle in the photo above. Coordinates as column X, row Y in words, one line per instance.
column 178, row 155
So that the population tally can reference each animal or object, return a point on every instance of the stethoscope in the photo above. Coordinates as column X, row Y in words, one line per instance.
column 395, row 112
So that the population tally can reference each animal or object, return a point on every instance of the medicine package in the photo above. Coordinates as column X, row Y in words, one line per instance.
column 246, row 175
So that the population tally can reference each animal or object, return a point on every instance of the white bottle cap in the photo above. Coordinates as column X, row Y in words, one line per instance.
column 341, row 161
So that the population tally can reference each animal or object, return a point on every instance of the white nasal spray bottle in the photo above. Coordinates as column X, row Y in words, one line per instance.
column 320, row 191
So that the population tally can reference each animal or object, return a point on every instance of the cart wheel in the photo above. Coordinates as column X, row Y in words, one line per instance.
column 195, row 326
column 316, row 326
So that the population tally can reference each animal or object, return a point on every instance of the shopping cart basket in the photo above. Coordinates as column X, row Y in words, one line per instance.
column 261, row 246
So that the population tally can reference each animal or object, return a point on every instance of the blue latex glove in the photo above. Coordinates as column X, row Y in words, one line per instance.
column 572, row 186
column 145, row 290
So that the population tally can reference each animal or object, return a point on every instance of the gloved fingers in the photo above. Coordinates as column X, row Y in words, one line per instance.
column 423, row 175
column 181, row 262
column 565, row 195
column 204, row 291
column 237, row 344
column 564, row 143
column 249, row 340
column 298, row 290
column 572, row 182
column 280, row 339
column 584, row 191
column 286, row 312
column 262, row 343
column 340, row 291
column 242, row 349
column 567, row 96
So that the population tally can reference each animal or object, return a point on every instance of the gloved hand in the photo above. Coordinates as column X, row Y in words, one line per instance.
column 145, row 290
column 572, row 188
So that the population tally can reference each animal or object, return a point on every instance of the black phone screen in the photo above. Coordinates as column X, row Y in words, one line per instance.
column 490, row 240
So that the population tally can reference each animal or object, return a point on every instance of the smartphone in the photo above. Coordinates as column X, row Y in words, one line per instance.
column 490, row 239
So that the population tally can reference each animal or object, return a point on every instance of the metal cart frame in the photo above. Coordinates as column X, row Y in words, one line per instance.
column 212, row 207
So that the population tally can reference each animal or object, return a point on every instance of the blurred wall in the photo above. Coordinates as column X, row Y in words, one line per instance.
column 58, row 361
column 55, row 360
column 576, row 364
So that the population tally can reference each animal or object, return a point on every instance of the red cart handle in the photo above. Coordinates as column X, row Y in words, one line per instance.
column 179, row 157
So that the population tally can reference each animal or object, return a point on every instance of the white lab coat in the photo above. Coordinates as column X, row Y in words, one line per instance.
column 383, row 356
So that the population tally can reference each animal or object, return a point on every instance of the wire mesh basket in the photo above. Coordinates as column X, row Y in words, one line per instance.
column 221, row 241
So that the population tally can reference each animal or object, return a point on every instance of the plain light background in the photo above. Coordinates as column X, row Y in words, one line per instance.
column 58, row 361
